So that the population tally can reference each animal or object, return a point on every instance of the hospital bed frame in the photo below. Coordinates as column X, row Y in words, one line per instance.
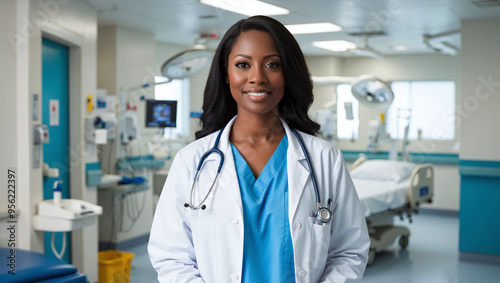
column 381, row 226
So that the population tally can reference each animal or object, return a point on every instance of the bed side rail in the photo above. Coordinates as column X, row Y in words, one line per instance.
column 422, row 185
column 362, row 158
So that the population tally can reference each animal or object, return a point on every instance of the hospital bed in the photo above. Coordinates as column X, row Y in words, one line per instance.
column 389, row 188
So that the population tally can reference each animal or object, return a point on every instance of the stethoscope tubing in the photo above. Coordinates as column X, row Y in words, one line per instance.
column 308, row 161
column 217, row 151
column 214, row 149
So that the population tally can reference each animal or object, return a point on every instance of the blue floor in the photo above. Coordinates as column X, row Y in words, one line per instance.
column 142, row 270
column 431, row 257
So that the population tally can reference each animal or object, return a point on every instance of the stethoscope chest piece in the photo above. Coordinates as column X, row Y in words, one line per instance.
column 324, row 214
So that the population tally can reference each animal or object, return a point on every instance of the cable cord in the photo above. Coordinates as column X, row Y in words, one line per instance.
column 125, row 154
column 63, row 249
column 133, row 215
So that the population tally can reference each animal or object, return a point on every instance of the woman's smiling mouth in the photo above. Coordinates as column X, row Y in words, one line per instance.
column 257, row 94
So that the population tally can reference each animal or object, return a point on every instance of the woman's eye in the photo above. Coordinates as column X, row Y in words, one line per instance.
column 241, row 65
column 273, row 65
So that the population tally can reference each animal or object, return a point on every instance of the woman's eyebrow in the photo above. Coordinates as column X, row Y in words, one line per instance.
column 271, row 55
column 250, row 57
column 243, row 55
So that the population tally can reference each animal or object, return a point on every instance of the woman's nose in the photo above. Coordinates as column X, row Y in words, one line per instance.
column 258, row 76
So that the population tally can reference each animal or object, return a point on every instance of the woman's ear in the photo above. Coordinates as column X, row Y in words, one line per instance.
column 227, row 79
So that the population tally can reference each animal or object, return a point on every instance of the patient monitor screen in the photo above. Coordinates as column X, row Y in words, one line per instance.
column 161, row 113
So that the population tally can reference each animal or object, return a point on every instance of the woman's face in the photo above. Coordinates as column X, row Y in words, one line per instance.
column 255, row 74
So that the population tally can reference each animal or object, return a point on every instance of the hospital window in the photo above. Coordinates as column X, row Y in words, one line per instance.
column 427, row 106
column 347, row 128
column 175, row 90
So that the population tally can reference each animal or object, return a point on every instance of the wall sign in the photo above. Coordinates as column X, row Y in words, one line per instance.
column 54, row 112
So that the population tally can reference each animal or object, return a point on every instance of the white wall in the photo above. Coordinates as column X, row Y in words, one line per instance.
column 197, row 87
column 324, row 66
column 446, row 188
column 106, row 59
column 481, row 90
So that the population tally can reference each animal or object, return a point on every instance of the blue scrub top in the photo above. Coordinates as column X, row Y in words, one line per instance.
column 267, row 244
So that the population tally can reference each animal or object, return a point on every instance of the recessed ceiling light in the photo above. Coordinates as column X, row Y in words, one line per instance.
column 399, row 48
column 313, row 28
column 335, row 45
column 247, row 7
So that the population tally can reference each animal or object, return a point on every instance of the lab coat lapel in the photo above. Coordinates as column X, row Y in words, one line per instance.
column 298, row 173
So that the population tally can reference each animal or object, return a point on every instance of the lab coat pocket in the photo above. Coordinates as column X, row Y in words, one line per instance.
column 319, row 242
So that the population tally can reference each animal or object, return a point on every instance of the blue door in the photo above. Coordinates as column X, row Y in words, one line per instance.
column 55, row 114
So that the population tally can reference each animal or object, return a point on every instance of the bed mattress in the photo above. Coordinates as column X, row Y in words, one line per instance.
column 381, row 195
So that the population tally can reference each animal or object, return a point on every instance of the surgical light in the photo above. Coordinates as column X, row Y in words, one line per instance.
column 372, row 92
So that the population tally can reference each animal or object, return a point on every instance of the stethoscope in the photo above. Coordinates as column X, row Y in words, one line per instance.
column 323, row 214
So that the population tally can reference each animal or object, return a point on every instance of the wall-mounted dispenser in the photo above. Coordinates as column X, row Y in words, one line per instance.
column 40, row 137
column 40, row 134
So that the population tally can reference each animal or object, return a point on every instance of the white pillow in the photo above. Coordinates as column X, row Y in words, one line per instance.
column 383, row 170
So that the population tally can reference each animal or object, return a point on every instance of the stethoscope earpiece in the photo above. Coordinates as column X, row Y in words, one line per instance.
column 203, row 207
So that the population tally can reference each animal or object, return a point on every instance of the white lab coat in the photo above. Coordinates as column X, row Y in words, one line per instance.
column 207, row 245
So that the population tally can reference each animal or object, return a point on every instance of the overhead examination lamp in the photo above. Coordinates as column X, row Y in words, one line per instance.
column 367, row 89
column 372, row 92
column 184, row 64
column 187, row 62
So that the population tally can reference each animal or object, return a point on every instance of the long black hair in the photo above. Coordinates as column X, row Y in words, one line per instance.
column 218, row 104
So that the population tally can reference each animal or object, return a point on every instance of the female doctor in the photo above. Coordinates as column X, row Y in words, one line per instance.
column 283, row 207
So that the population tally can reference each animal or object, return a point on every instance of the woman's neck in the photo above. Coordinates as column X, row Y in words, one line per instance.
column 256, row 129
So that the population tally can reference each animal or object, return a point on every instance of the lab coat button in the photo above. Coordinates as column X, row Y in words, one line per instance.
column 302, row 273
column 234, row 276
column 235, row 221
column 297, row 225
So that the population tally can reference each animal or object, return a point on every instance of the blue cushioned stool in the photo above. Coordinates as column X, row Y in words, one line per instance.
column 36, row 267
